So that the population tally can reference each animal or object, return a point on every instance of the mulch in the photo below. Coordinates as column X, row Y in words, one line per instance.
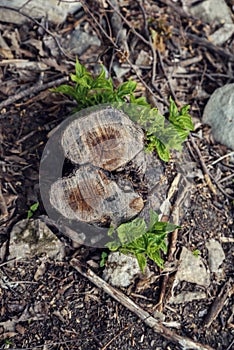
column 62, row 309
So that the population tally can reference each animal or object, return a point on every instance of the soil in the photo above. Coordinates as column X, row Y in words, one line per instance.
column 46, row 304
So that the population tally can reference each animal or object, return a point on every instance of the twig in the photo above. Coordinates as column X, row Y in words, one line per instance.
column 218, row 304
column 165, row 75
column 31, row 90
column 207, row 44
column 149, row 43
column 183, row 342
column 223, row 157
column 174, row 234
column 203, row 165
column 3, row 206
column 85, row 6
column 116, row 336
column 221, row 188
column 128, row 24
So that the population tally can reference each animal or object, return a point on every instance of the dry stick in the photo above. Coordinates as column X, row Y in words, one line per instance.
column 207, row 44
column 165, row 74
column 183, row 342
column 198, row 40
column 221, row 188
column 174, row 235
column 119, row 50
column 31, row 90
column 154, row 62
column 203, row 165
column 218, row 304
column 116, row 336
column 99, row 25
column 129, row 24
column 223, row 157
column 147, row 42
column 3, row 206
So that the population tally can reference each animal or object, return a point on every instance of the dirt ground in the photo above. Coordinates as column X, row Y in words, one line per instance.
column 62, row 309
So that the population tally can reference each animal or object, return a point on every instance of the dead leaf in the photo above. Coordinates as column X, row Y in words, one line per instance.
column 51, row 62
column 5, row 51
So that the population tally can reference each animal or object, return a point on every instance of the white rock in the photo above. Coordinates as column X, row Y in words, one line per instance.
column 186, row 297
column 55, row 12
column 192, row 269
column 212, row 11
column 221, row 35
column 216, row 255
column 30, row 238
column 121, row 270
column 219, row 114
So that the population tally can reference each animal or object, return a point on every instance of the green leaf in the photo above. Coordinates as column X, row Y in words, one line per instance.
column 153, row 219
column 80, row 70
column 113, row 245
column 65, row 89
column 155, row 256
column 126, row 88
column 165, row 227
column 141, row 259
column 103, row 259
column 34, row 206
column 111, row 231
column 129, row 231
column 32, row 210
column 162, row 150
column 173, row 110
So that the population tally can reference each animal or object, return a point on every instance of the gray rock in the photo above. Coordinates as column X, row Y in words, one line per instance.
column 212, row 11
column 219, row 114
column 216, row 255
column 119, row 70
column 30, row 238
column 121, row 270
column 143, row 59
column 192, row 270
column 186, row 297
column 55, row 12
column 221, row 35
column 80, row 41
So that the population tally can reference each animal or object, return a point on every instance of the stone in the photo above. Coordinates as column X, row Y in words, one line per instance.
column 119, row 70
column 218, row 113
column 216, row 255
column 55, row 12
column 221, row 35
column 143, row 59
column 121, row 270
column 186, row 297
column 192, row 269
column 212, row 11
column 79, row 42
column 30, row 238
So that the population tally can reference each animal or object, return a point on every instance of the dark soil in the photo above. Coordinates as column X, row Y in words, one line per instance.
column 61, row 309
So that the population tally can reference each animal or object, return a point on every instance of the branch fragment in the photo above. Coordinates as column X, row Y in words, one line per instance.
column 183, row 342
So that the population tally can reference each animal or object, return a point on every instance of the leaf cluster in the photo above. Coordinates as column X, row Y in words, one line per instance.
column 32, row 210
column 134, row 237
column 161, row 135
column 89, row 91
